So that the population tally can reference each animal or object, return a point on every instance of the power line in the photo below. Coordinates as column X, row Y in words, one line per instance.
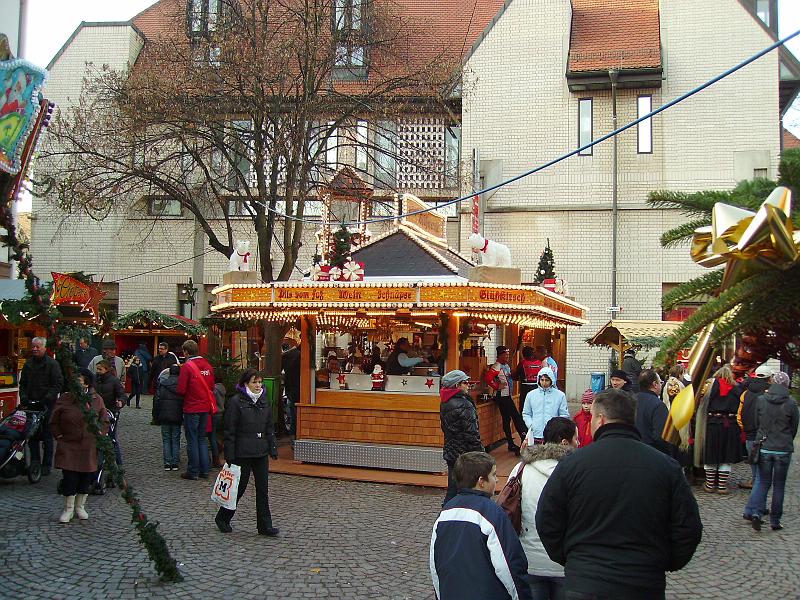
column 162, row 268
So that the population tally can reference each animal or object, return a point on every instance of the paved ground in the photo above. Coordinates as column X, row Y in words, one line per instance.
column 338, row 540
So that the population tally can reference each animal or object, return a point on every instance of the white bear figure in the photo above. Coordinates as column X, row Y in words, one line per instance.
column 494, row 253
column 240, row 259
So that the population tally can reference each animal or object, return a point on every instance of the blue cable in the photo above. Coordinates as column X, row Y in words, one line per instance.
column 491, row 188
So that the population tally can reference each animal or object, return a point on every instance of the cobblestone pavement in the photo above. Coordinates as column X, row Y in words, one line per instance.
column 338, row 540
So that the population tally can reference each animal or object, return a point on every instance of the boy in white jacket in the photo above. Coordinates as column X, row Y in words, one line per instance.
column 542, row 404
column 560, row 438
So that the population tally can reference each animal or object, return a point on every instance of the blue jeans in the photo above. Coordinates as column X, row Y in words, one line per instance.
column 171, row 440
column 546, row 588
column 196, row 447
column 753, row 468
column 772, row 470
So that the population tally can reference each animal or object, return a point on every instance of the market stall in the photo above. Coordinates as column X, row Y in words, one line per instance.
column 621, row 334
column 407, row 284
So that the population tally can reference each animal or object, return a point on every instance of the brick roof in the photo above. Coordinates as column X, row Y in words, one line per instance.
column 623, row 34
column 789, row 140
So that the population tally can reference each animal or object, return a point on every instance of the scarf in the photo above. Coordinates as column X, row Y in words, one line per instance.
column 253, row 395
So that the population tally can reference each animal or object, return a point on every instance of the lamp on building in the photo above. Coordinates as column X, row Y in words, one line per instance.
column 187, row 295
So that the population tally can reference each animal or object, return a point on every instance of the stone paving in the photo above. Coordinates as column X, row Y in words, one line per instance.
column 338, row 540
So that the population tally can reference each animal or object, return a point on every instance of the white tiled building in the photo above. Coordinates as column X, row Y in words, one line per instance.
column 520, row 111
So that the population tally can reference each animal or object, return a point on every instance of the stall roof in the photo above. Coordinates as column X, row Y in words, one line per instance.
column 647, row 334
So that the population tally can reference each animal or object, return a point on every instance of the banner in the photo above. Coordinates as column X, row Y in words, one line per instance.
column 68, row 290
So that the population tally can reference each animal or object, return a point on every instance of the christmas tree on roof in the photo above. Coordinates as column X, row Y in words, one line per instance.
column 547, row 265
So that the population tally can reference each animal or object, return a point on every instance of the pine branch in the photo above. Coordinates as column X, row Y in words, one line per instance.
column 707, row 284
column 682, row 233
column 698, row 204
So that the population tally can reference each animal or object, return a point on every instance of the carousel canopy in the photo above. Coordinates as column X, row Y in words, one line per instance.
column 151, row 320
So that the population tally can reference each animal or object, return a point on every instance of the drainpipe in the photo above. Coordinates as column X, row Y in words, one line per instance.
column 613, row 75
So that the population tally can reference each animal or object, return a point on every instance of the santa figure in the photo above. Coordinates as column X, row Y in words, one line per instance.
column 377, row 378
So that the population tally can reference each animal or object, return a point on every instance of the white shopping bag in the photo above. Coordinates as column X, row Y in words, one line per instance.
column 226, row 486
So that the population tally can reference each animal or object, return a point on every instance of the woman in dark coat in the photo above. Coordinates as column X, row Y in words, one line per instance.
column 249, row 438
column 723, row 444
column 459, row 419
column 76, row 449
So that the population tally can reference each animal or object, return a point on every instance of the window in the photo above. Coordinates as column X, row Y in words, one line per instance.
column 362, row 149
column 332, row 147
column 760, row 173
column 386, row 149
column 585, row 125
column 164, row 207
column 347, row 30
column 645, row 128
column 214, row 52
column 762, row 11
column 383, row 207
column 240, row 208
column 203, row 16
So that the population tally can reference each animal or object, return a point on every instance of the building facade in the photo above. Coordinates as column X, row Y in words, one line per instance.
column 539, row 87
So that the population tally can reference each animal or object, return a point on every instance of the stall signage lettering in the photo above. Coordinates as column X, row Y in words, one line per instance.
column 345, row 294
column 505, row 296
column 298, row 295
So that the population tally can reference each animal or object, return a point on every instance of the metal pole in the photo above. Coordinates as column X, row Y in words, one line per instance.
column 613, row 74
column 22, row 31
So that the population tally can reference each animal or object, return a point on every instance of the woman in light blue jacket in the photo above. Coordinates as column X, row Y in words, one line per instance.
column 542, row 404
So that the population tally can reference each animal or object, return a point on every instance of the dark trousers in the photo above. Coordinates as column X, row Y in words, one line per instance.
column 509, row 412
column 136, row 391
column 260, row 469
column 75, row 482
column 452, row 488
column 524, row 388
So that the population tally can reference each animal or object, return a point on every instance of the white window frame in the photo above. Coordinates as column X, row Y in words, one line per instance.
column 362, row 146
column 332, row 147
column 644, row 130
column 582, row 139
column 170, row 207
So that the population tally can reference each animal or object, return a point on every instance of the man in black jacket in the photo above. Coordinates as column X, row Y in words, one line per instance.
column 41, row 382
column 746, row 416
column 651, row 412
column 618, row 513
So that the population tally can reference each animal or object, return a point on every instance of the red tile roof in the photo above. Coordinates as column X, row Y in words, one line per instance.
column 623, row 34
column 436, row 32
column 790, row 140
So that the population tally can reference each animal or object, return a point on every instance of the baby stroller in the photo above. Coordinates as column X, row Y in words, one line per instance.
column 15, row 454
column 102, row 479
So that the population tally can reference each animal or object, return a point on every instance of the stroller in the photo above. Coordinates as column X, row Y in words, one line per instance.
column 103, row 480
column 16, row 459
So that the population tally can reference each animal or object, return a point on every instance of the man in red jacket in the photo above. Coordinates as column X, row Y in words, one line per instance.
column 196, row 385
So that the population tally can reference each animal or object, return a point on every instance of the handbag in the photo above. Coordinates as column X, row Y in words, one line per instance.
column 510, row 499
column 755, row 452
column 226, row 487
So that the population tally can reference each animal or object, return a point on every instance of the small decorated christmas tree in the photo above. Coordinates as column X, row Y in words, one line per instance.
column 341, row 246
column 547, row 264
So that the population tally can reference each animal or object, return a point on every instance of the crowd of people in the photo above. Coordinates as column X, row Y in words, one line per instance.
column 188, row 399
column 606, row 505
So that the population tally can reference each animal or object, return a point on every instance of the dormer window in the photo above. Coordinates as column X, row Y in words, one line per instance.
column 348, row 33
column 203, row 16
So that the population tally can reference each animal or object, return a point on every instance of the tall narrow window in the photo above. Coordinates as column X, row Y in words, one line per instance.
column 362, row 140
column 762, row 10
column 645, row 128
column 332, row 146
column 585, row 125
column 452, row 138
column 387, row 151
column 348, row 20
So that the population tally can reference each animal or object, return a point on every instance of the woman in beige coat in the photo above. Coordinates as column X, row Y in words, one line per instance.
column 76, row 450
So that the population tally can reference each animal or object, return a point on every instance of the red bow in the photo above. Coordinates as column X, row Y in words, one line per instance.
column 245, row 256
column 485, row 246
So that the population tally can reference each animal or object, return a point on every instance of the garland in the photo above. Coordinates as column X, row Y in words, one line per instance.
column 38, row 302
column 146, row 319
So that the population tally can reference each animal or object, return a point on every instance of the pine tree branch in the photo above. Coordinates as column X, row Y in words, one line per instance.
column 698, row 204
column 682, row 233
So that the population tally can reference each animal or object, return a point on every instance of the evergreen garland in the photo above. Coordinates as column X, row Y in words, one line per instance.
column 146, row 319
column 547, row 265
column 37, row 303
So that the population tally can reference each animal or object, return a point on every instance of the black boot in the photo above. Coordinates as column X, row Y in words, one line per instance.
column 222, row 524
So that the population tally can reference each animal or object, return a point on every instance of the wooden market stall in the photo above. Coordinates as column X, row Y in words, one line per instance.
column 622, row 334
column 413, row 289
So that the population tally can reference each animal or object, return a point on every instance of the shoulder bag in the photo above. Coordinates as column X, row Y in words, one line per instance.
column 510, row 499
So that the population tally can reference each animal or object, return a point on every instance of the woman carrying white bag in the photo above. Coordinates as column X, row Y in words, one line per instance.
column 249, row 438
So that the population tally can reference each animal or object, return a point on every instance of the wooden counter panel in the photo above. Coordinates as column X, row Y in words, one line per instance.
column 385, row 426
column 377, row 400
column 369, row 425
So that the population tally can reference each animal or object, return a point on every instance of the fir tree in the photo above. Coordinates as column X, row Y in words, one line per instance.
column 547, row 264
column 340, row 247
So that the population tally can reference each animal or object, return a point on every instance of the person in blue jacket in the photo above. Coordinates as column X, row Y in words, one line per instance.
column 542, row 404
column 475, row 553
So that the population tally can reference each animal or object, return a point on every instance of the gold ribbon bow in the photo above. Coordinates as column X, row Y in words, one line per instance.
column 745, row 242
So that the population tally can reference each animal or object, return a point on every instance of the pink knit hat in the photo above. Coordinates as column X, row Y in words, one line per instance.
column 588, row 396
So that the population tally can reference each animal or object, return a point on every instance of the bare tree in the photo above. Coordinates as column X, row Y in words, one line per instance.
column 236, row 108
